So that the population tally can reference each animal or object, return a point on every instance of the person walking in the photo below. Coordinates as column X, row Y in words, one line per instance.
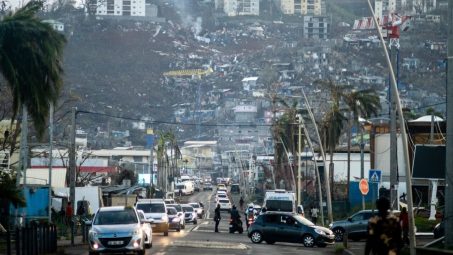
column 314, row 214
column 217, row 218
column 69, row 212
column 404, row 222
column 241, row 203
column 384, row 231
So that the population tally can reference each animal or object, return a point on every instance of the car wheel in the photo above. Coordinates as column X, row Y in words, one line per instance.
column 183, row 226
column 195, row 222
column 148, row 245
column 166, row 233
column 339, row 233
column 270, row 242
column 256, row 237
column 141, row 252
column 308, row 241
column 178, row 229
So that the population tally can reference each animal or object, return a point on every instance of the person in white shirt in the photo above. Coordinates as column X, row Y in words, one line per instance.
column 314, row 214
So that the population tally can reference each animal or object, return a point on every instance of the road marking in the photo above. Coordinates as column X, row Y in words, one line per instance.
column 210, row 244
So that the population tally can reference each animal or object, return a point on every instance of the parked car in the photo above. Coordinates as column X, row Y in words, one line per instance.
column 274, row 227
column 169, row 201
column 146, row 225
column 207, row 186
column 198, row 208
column 116, row 229
column 173, row 219
column 356, row 226
column 180, row 214
column 155, row 209
column 189, row 214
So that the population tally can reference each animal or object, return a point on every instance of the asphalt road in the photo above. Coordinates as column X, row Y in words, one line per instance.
column 201, row 238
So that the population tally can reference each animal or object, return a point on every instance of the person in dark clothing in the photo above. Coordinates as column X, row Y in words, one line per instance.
column 384, row 231
column 404, row 222
column 241, row 203
column 235, row 214
column 217, row 218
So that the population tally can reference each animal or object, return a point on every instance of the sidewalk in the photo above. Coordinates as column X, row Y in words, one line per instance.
column 67, row 243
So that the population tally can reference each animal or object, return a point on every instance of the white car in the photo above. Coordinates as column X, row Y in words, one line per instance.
column 116, row 229
column 155, row 210
column 225, row 204
column 146, row 225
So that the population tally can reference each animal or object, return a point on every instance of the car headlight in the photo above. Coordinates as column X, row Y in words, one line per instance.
column 175, row 220
column 319, row 231
column 164, row 218
column 135, row 232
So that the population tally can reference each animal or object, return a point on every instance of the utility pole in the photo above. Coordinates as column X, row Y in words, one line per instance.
column 448, row 213
column 362, row 163
column 299, row 188
column 50, row 158
column 72, row 165
column 23, row 147
column 393, row 153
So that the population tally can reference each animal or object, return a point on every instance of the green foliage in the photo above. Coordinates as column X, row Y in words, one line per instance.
column 339, row 248
column 424, row 225
column 30, row 61
column 9, row 191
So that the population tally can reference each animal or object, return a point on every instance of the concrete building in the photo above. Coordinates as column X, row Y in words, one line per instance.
column 316, row 27
column 240, row 7
column 122, row 8
column 56, row 25
column 313, row 7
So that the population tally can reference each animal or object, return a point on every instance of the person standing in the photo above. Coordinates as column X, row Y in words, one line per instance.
column 217, row 218
column 314, row 214
column 69, row 212
column 384, row 231
column 404, row 222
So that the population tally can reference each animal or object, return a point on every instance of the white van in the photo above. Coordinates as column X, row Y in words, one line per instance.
column 186, row 188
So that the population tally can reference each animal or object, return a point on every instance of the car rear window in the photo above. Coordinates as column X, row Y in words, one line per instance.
column 195, row 205
column 223, row 201
column 187, row 208
column 176, row 206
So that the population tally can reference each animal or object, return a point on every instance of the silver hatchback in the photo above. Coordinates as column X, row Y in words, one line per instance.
column 116, row 229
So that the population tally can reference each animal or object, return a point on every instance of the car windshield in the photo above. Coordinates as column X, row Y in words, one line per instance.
column 303, row 220
column 180, row 187
column 171, row 211
column 127, row 216
column 187, row 208
column 151, row 208
column 279, row 205
column 195, row 205
column 177, row 207
column 221, row 195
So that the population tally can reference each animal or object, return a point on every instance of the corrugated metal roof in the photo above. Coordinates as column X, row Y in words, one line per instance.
column 41, row 176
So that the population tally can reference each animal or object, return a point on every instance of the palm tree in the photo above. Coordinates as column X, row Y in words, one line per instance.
column 30, row 61
column 360, row 103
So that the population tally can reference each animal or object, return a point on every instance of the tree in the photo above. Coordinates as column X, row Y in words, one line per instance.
column 30, row 61
column 360, row 103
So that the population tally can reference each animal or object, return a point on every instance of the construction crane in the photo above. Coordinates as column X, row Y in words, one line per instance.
column 189, row 72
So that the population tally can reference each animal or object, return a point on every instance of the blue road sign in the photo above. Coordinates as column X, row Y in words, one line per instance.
column 374, row 175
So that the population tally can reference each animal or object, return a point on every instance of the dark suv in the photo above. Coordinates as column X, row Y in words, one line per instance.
column 289, row 227
column 235, row 189
column 356, row 226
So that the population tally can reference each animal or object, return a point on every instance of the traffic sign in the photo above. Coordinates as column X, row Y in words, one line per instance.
column 363, row 186
column 374, row 175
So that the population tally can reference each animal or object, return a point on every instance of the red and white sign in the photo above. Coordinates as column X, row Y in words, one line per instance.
column 363, row 186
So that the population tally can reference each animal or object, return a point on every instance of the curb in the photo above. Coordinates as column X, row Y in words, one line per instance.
column 347, row 252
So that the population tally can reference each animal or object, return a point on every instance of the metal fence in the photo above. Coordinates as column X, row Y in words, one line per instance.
column 33, row 239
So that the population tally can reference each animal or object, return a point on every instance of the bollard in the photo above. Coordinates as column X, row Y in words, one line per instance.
column 345, row 239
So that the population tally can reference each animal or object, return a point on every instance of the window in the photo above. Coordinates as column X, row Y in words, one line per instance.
column 272, row 218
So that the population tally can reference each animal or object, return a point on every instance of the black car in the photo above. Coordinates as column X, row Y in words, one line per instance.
column 274, row 227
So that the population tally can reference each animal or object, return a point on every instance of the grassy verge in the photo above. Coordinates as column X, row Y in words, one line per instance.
column 424, row 225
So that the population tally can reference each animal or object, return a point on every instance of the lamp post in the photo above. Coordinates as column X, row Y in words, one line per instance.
column 299, row 190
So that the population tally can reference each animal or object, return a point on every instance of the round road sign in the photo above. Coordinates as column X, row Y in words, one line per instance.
column 363, row 186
